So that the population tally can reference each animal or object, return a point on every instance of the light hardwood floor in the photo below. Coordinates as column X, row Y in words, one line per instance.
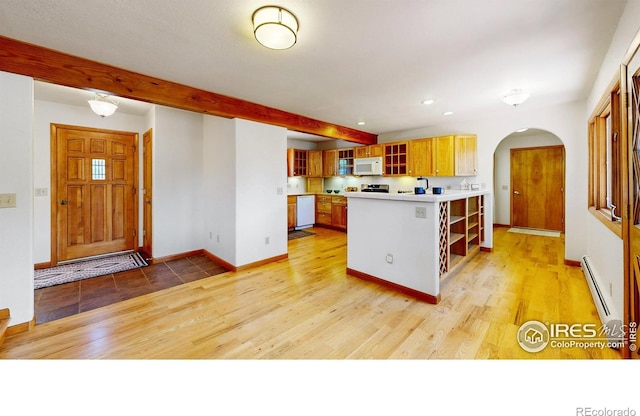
column 306, row 307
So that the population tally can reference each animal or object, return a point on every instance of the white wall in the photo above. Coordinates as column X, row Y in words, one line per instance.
column 245, row 182
column 219, row 187
column 261, row 175
column 177, row 182
column 16, row 177
column 628, row 28
column 502, row 179
column 49, row 112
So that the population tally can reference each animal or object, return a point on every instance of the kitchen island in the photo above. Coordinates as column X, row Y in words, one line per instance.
column 412, row 242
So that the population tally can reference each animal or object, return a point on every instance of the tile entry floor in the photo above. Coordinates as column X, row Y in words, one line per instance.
column 67, row 299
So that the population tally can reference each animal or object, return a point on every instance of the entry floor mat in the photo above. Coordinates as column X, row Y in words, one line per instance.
column 87, row 269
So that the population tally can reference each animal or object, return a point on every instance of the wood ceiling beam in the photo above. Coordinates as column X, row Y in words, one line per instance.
column 59, row 68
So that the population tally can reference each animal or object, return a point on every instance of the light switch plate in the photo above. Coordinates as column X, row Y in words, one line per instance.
column 7, row 200
column 41, row 192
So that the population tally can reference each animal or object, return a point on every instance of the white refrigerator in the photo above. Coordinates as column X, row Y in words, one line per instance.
column 305, row 211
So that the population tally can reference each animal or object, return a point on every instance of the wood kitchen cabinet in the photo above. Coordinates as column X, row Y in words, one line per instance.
column 373, row 150
column 465, row 224
column 466, row 155
column 323, row 209
column 422, row 161
column 432, row 156
column 297, row 162
column 331, row 211
column 444, row 156
column 396, row 159
column 345, row 162
column 314, row 164
column 339, row 212
column 330, row 163
column 291, row 211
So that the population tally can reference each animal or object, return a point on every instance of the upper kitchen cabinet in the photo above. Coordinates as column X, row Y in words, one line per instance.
column 314, row 164
column 466, row 155
column 345, row 162
column 373, row 150
column 330, row 163
column 444, row 156
column 422, row 161
column 396, row 159
column 432, row 156
column 297, row 162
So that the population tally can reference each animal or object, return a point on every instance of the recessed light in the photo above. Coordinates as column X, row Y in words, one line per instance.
column 361, row 123
column 428, row 102
column 521, row 130
column 447, row 113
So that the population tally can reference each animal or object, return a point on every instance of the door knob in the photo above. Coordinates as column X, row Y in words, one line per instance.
column 516, row 193
column 63, row 202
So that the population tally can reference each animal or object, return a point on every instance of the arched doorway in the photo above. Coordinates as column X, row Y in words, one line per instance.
column 529, row 180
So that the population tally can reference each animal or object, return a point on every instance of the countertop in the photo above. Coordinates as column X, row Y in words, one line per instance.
column 448, row 195
column 323, row 194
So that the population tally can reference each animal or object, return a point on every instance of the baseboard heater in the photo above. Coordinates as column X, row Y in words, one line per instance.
column 611, row 322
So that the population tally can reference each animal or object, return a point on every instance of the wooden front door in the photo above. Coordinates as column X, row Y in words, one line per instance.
column 94, row 192
column 537, row 184
column 147, row 196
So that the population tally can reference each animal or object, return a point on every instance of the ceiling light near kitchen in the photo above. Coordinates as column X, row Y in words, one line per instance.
column 361, row 123
column 516, row 97
column 447, row 113
column 428, row 102
column 275, row 27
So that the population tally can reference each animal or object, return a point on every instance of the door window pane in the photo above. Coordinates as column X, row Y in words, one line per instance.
column 98, row 169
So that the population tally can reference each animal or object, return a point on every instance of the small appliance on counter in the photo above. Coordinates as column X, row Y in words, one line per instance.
column 375, row 188
column 351, row 189
column 437, row 190
column 423, row 185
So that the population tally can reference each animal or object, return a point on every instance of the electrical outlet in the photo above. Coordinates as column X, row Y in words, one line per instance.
column 266, row 240
column 41, row 192
column 421, row 212
column 279, row 190
column 389, row 258
column 505, row 187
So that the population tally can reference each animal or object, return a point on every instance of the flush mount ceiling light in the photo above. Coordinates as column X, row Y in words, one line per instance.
column 428, row 102
column 515, row 97
column 103, row 105
column 275, row 27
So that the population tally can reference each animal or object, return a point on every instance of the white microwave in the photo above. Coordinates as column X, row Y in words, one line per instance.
column 367, row 166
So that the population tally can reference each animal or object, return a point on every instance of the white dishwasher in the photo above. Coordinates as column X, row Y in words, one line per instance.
column 305, row 211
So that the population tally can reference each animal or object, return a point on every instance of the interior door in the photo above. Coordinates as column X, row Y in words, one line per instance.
column 147, row 210
column 93, row 199
column 537, row 184
column 632, row 288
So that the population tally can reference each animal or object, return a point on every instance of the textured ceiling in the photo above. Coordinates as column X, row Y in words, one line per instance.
column 369, row 60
